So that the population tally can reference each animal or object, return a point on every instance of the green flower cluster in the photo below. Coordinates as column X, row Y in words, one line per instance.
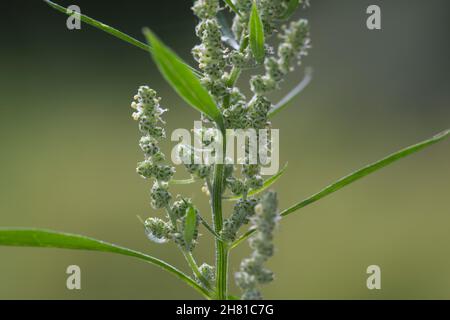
column 148, row 114
column 242, row 212
column 295, row 43
column 252, row 271
column 210, row 54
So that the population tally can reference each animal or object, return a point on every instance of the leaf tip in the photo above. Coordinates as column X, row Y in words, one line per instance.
column 442, row 135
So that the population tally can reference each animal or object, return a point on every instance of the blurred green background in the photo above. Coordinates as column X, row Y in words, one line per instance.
column 69, row 150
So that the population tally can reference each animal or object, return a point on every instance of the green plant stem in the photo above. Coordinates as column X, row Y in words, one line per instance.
column 235, row 71
column 209, row 228
column 221, row 246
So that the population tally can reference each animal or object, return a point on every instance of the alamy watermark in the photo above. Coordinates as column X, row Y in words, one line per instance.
column 239, row 146
column 73, row 281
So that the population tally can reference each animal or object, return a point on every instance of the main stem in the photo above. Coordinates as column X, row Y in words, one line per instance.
column 221, row 247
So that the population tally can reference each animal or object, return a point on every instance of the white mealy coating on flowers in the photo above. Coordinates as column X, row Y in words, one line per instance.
column 148, row 114
column 240, row 22
column 210, row 54
column 270, row 11
column 157, row 230
column 191, row 162
column 295, row 43
column 242, row 211
column 252, row 271
column 208, row 273
column 160, row 196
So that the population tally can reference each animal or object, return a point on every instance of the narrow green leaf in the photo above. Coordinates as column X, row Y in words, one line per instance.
column 256, row 33
column 190, row 225
column 51, row 239
column 108, row 29
column 181, row 78
column 232, row 6
column 352, row 177
column 287, row 99
column 265, row 185
column 99, row 25
column 355, row 176
column 291, row 7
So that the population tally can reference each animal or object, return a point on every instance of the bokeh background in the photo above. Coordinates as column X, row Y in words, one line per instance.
column 69, row 148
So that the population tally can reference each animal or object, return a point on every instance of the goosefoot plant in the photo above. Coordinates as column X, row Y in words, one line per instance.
column 211, row 89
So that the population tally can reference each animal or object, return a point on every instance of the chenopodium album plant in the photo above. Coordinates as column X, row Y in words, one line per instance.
column 222, row 54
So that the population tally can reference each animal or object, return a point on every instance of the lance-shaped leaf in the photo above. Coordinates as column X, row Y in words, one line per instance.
column 190, row 224
column 290, row 9
column 51, row 239
column 256, row 33
column 358, row 174
column 182, row 79
column 270, row 181
column 106, row 28
column 232, row 6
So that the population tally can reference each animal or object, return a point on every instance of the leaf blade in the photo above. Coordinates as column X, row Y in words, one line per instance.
column 108, row 29
column 189, row 226
column 25, row 237
column 256, row 34
column 232, row 6
column 181, row 78
column 104, row 27
column 358, row 174
column 290, row 9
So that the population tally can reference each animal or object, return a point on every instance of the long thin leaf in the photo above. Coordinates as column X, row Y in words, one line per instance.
column 291, row 7
column 356, row 176
column 256, row 33
column 181, row 78
column 265, row 185
column 108, row 29
column 287, row 99
column 232, row 6
column 51, row 239
column 189, row 226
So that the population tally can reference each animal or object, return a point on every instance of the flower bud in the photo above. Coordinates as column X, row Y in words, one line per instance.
column 160, row 197
column 146, row 169
column 157, row 230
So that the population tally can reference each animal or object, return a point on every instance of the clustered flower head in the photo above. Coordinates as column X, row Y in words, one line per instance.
column 243, row 210
column 252, row 271
column 220, row 66
column 295, row 43
column 148, row 114
column 210, row 54
column 208, row 272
